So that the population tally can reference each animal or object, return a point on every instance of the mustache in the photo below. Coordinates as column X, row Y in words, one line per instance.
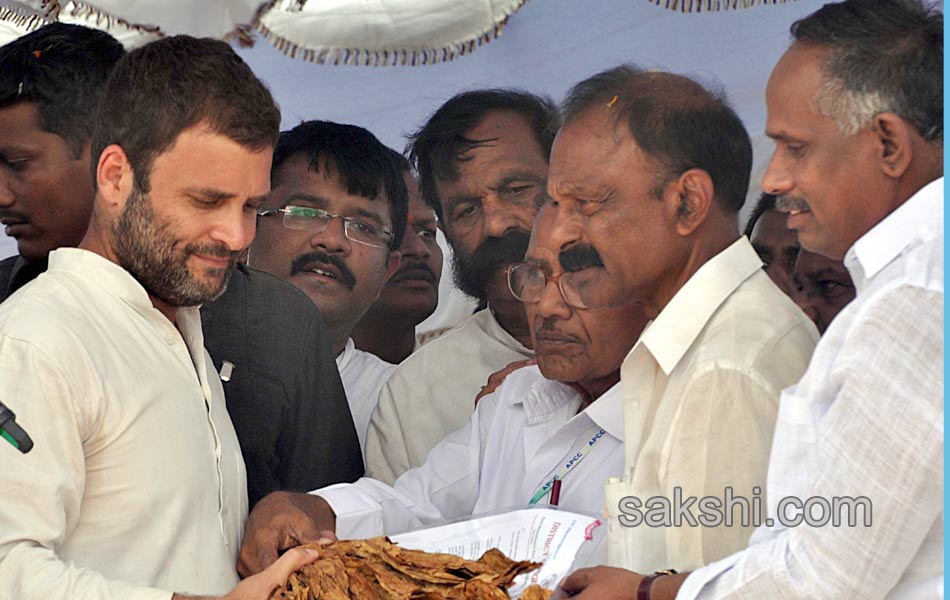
column 213, row 250
column 304, row 260
column 787, row 204
column 579, row 256
column 473, row 272
column 549, row 329
column 413, row 269
column 21, row 216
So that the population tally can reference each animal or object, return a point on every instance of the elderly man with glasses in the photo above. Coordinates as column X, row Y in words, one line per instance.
column 331, row 226
column 520, row 438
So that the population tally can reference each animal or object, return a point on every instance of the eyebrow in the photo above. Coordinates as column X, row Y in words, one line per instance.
column 539, row 262
column 220, row 195
column 513, row 176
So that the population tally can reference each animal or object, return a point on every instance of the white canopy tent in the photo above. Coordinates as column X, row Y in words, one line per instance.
column 546, row 46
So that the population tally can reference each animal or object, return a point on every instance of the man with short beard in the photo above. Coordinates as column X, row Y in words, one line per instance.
column 518, row 439
column 136, row 472
column 284, row 411
column 332, row 226
column 482, row 161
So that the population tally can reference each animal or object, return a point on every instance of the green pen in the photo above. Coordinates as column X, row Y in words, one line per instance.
column 13, row 433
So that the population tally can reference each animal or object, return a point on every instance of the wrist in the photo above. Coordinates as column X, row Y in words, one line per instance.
column 666, row 587
column 645, row 588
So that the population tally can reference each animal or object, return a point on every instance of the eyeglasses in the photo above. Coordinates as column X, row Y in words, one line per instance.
column 316, row 220
column 587, row 288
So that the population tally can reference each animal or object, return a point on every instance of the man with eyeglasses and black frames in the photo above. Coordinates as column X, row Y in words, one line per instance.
column 518, row 439
column 332, row 226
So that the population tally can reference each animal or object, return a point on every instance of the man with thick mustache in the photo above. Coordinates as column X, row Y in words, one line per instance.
column 656, row 185
column 135, row 487
column 855, row 106
column 482, row 161
column 518, row 439
column 388, row 329
column 332, row 226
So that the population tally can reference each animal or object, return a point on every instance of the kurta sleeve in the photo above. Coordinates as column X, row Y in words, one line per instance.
column 43, row 490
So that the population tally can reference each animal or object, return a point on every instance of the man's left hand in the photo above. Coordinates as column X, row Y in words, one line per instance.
column 600, row 583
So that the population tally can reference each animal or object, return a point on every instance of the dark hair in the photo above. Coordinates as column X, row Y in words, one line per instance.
column 438, row 146
column 401, row 161
column 62, row 69
column 677, row 122
column 885, row 56
column 764, row 204
column 157, row 91
column 360, row 161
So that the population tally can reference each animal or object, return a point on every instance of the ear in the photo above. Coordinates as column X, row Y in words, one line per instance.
column 114, row 176
column 689, row 199
column 893, row 136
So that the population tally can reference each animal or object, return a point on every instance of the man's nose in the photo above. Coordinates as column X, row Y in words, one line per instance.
column 776, row 180
column 6, row 191
column 332, row 239
column 498, row 217
column 804, row 302
column 413, row 245
column 235, row 229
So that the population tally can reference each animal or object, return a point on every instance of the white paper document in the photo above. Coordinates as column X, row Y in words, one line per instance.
column 549, row 536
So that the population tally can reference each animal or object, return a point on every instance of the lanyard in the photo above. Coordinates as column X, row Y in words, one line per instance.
column 590, row 437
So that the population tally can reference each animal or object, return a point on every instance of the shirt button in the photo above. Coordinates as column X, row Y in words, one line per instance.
column 170, row 339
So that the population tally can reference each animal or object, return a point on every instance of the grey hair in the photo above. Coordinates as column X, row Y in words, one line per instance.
column 883, row 56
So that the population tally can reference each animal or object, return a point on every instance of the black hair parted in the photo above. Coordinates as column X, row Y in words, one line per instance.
column 886, row 54
column 358, row 160
column 677, row 122
column 441, row 143
column 163, row 88
column 62, row 70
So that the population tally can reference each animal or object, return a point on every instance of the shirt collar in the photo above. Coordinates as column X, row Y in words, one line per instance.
column 344, row 358
column 607, row 411
column 917, row 219
column 678, row 325
column 108, row 275
column 547, row 396
column 494, row 329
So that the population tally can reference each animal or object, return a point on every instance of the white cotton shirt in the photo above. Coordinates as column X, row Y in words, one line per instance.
column 136, row 482
column 865, row 420
column 513, row 442
column 701, row 390
column 432, row 393
column 363, row 375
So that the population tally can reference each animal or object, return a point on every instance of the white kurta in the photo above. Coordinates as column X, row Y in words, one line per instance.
column 865, row 420
column 701, row 389
column 363, row 375
column 500, row 458
column 136, row 480
column 432, row 393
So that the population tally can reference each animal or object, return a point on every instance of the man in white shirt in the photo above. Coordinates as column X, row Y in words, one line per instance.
column 631, row 175
column 855, row 107
column 332, row 226
column 135, row 487
column 560, row 419
column 482, row 159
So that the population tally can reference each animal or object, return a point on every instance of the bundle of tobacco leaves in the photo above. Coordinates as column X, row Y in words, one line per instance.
column 377, row 569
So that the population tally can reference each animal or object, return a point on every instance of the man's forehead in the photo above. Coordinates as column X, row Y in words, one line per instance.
column 20, row 126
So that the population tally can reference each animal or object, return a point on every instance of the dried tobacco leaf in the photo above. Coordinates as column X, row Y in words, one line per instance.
column 377, row 569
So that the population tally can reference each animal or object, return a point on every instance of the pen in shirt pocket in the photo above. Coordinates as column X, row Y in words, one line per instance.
column 555, row 492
